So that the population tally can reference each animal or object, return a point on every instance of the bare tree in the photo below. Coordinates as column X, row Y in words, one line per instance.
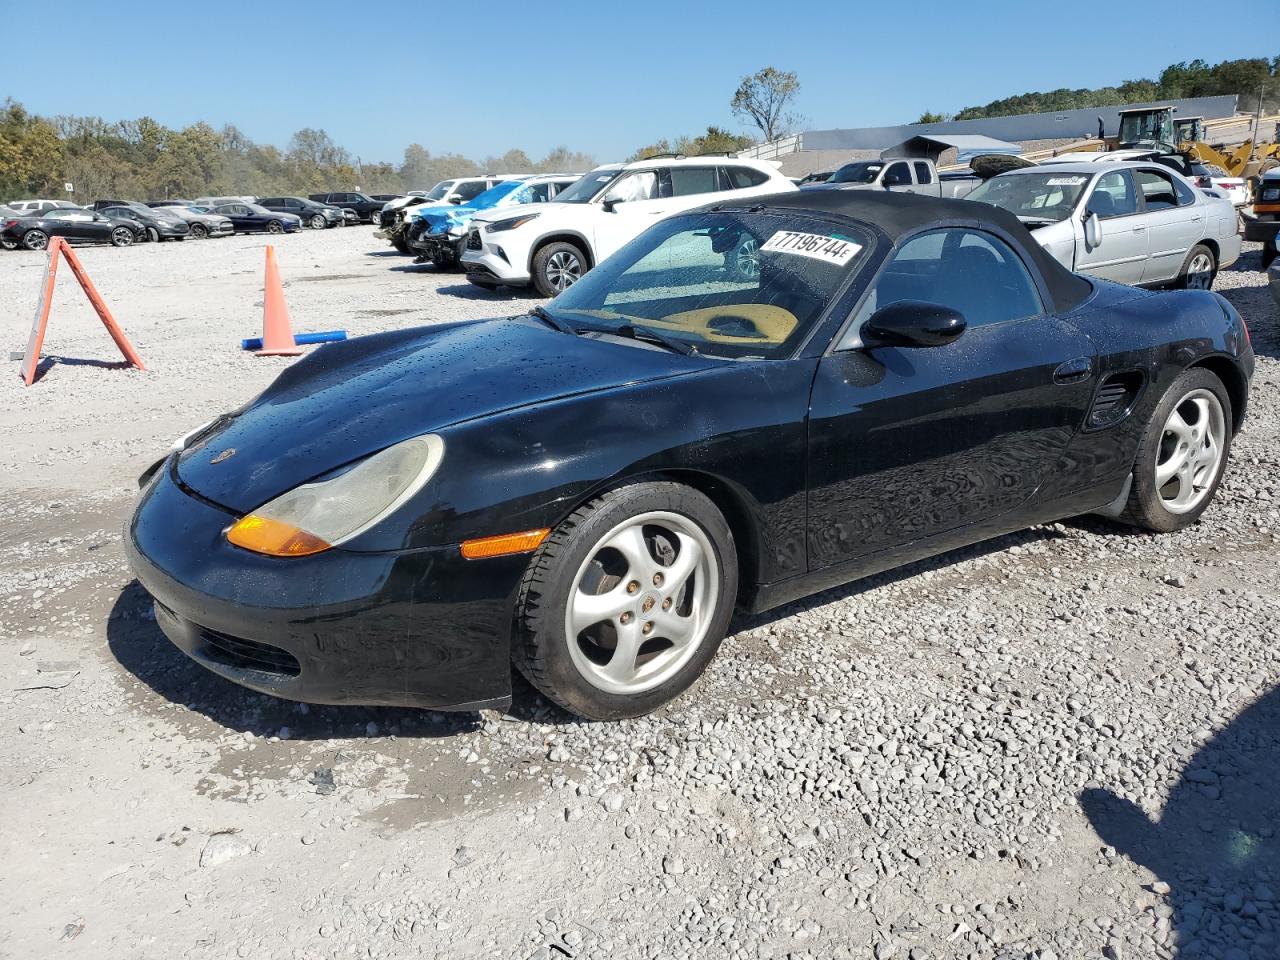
column 763, row 99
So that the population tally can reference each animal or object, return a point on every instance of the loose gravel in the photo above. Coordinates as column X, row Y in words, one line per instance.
column 1060, row 744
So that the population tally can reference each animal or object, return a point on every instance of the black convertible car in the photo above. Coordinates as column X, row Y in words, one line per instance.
column 251, row 218
column 748, row 403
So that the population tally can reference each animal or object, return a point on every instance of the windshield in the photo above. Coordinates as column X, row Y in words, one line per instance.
column 491, row 196
column 586, row 189
column 732, row 285
column 865, row 172
column 1042, row 197
column 439, row 190
column 1153, row 127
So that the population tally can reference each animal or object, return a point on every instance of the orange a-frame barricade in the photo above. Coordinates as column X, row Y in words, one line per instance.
column 59, row 247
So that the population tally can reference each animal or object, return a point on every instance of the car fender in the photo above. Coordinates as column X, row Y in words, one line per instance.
column 530, row 468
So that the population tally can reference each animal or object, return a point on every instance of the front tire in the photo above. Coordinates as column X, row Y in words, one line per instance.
column 317, row 222
column 275, row 226
column 1199, row 269
column 198, row 231
column 153, row 235
column 1182, row 454
column 557, row 267
column 626, row 602
column 35, row 240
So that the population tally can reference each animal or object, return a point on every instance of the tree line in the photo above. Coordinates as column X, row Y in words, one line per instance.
column 143, row 159
column 1244, row 78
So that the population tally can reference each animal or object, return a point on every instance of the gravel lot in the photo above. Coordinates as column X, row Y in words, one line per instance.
column 1064, row 743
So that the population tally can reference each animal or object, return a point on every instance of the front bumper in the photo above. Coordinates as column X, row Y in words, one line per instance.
column 422, row 628
column 490, row 261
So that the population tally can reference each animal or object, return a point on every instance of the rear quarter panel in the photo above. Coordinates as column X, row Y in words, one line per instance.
column 1159, row 335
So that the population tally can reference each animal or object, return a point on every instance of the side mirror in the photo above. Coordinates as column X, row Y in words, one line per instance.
column 455, row 200
column 1092, row 229
column 610, row 204
column 912, row 323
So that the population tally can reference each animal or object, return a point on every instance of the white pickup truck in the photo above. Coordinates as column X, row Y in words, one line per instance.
column 904, row 175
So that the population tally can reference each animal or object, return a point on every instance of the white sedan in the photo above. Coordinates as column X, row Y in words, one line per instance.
column 1136, row 223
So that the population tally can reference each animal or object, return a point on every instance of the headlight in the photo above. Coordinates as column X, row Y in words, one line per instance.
column 316, row 516
column 511, row 224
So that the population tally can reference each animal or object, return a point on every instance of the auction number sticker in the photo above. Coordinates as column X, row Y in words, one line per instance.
column 835, row 250
column 1065, row 181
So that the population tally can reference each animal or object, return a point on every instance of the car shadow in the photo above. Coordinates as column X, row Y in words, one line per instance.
column 385, row 253
column 469, row 291
column 1216, row 843
column 141, row 647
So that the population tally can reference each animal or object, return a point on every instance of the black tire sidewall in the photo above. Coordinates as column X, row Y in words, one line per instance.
column 1184, row 275
column 543, row 654
column 1145, row 508
column 198, row 231
column 543, row 257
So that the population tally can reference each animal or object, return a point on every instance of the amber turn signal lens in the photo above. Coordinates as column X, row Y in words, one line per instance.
column 504, row 544
column 273, row 538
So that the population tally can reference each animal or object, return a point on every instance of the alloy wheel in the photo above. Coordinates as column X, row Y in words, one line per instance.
column 1200, row 272
column 274, row 227
column 198, row 231
column 35, row 240
column 641, row 603
column 564, row 269
column 1192, row 447
column 747, row 259
column 317, row 222
column 122, row 236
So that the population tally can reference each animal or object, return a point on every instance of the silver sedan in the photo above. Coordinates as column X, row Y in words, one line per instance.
column 1136, row 223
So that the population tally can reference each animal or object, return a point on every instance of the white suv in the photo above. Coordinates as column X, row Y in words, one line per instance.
column 554, row 245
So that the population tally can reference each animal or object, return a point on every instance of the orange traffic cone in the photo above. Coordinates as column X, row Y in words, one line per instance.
column 277, row 337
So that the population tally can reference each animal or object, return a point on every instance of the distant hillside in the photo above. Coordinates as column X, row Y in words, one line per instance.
column 1195, row 79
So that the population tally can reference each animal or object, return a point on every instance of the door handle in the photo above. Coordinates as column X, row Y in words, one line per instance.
column 1139, row 229
column 1073, row 371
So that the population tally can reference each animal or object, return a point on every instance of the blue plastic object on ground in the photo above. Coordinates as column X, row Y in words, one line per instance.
column 326, row 336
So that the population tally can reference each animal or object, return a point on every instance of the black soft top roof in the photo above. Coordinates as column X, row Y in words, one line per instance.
column 898, row 214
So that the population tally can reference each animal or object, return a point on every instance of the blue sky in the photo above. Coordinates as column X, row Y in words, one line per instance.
column 604, row 78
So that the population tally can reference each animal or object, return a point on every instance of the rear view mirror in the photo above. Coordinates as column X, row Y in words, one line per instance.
column 912, row 323
column 1093, row 229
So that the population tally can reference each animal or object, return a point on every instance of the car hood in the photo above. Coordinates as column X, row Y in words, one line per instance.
column 351, row 399
column 512, row 213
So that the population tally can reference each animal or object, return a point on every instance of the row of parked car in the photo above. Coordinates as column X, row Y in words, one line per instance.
column 1137, row 222
column 30, row 224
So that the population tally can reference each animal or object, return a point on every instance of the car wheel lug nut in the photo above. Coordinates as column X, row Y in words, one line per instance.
column 633, row 586
column 666, row 604
column 647, row 628
column 657, row 579
column 626, row 617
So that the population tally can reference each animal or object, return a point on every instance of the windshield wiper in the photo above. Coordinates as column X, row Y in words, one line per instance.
column 652, row 336
column 552, row 321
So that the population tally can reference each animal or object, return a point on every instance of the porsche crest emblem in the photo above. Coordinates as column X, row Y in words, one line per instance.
column 226, row 454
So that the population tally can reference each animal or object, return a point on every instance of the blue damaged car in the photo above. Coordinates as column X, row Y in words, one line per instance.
column 437, row 232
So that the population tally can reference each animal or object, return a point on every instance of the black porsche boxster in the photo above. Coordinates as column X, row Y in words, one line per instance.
column 748, row 403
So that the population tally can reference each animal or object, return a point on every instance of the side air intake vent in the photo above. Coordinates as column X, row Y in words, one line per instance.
column 1115, row 398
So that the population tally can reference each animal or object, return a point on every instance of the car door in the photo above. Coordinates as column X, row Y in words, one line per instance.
column 74, row 224
column 897, row 177
column 632, row 204
column 925, row 183
column 242, row 218
column 906, row 444
column 1173, row 225
column 1121, row 254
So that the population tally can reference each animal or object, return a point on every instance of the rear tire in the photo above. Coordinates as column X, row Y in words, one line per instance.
column 557, row 267
column 402, row 245
column 626, row 602
column 153, row 235
column 198, row 231
column 1199, row 269
column 35, row 240
column 1182, row 454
